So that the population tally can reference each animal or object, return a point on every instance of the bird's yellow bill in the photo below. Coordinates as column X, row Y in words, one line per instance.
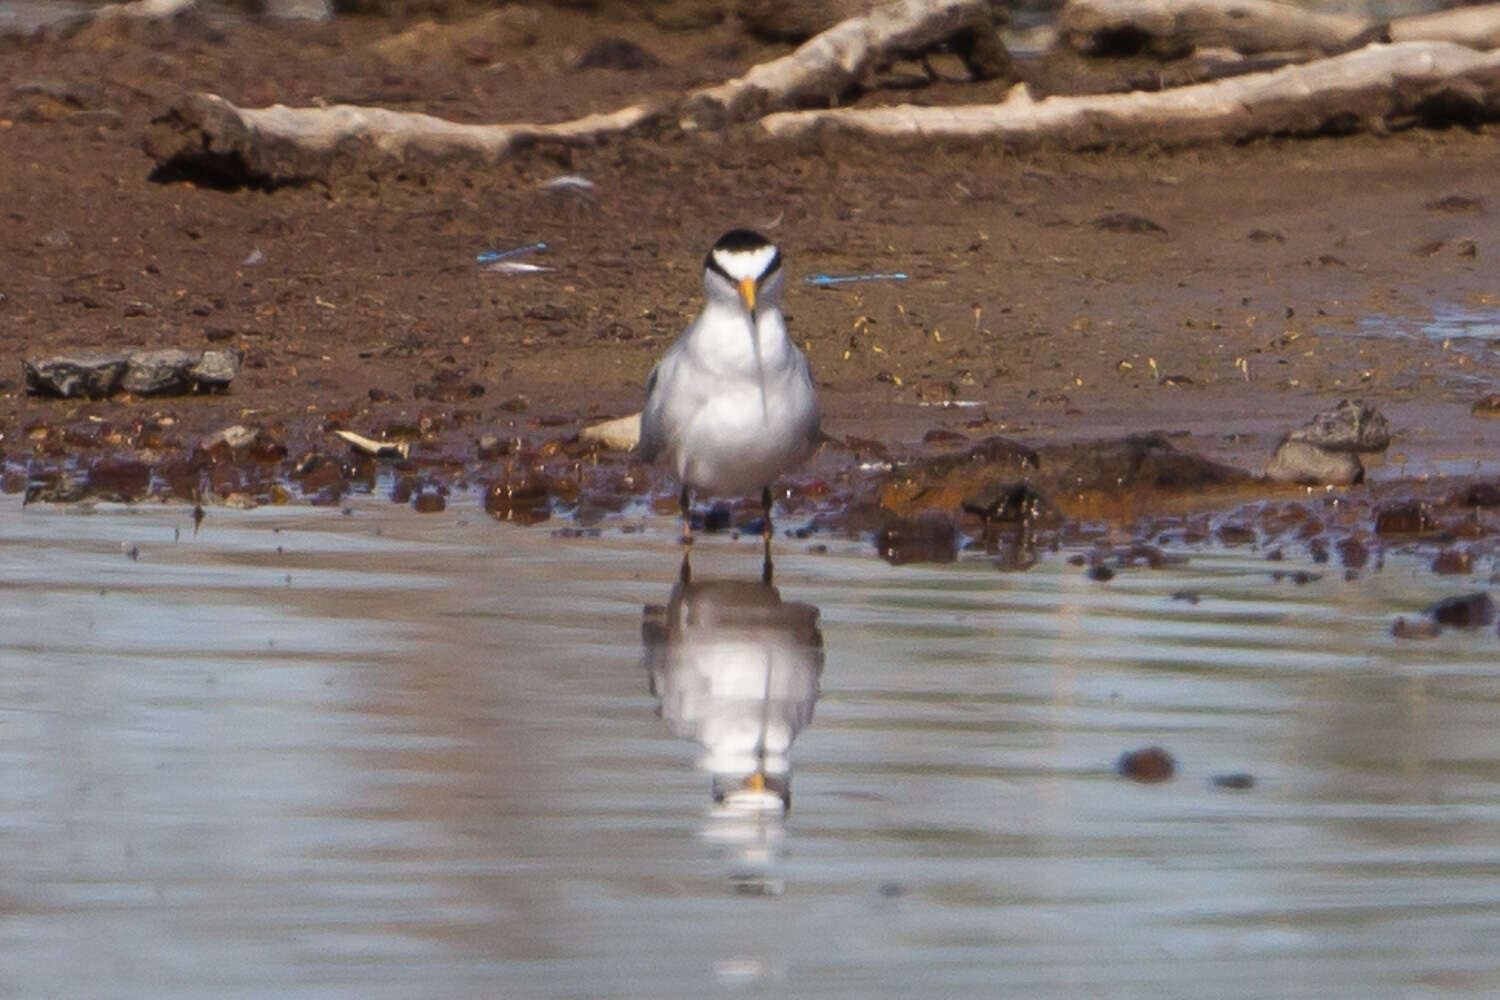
column 747, row 292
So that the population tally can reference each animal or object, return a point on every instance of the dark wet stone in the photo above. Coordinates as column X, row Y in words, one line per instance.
column 1149, row 765
column 492, row 446
column 119, row 477
column 929, row 537
column 1127, row 222
column 1318, row 549
column 1352, row 553
column 1239, row 781
column 1265, row 236
column 87, row 373
column 940, row 435
column 1489, row 406
column 1453, row 562
column 1236, row 534
column 1478, row 495
column 1190, row 596
column 1408, row 518
column 1414, row 628
column 56, row 486
column 616, row 53
column 524, row 499
column 1013, row 502
column 1465, row 611
column 1307, row 464
column 1099, row 573
column 318, row 472
column 429, row 502
column 1349, row 425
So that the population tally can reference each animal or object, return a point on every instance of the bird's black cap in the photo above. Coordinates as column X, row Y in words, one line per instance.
column 741, row 241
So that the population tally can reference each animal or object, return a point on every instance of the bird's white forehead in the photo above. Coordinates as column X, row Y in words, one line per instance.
column 740, row 264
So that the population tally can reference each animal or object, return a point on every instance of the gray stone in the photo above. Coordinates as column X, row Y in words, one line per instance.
column 215, row 369
column 1352, row 425
column 87, row 373
column 1305, row 463
column 153, row 372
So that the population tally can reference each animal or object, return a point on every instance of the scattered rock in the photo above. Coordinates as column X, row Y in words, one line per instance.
column 1478, row 495
column 1465, row 611
column 1417, row 628
column 150, row 373
column 1453, row 562
column 524, row 499
column 94, row 375
column 429, row 501
column 87, row 374
column 1455, row 203
column 1126, row 222
column 1307, row 464
column 1099, row 573
column 1239, row 781
column 1149, row 765
column 1352, row 553
column 1489, row 406
column 1265, row 236
column 929, row 537
column 1350, row 425
column 616, row 53
column 622, row 434
column 214, row 369
column 119, row 478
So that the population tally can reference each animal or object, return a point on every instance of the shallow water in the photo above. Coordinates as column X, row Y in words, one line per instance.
column 386, row 755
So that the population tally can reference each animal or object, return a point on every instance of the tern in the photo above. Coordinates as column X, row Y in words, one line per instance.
column 731, row 406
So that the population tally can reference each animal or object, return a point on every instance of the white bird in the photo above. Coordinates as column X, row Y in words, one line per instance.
column 731, row 406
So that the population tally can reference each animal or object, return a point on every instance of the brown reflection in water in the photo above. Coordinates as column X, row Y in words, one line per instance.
column 736, row 669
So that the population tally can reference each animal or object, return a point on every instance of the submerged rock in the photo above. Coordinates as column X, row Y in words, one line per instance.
column 1465, row 611
column 1136, row 461
column 1148, row 765
column 929, row 537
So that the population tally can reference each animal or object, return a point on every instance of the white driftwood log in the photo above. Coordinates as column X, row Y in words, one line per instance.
column 1377, row 87
column 1476, row 27
column 282, row 145
column 829, row 63
column 1171, row 29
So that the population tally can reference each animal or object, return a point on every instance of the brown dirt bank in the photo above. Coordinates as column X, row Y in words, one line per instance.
column 365, row 306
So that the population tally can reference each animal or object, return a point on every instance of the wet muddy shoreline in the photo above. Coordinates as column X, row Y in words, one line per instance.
column 1219, row 296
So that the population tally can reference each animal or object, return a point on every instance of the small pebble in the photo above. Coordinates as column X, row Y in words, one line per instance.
column 1149, row 765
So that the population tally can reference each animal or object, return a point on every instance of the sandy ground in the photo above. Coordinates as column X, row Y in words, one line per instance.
column 1275, row 279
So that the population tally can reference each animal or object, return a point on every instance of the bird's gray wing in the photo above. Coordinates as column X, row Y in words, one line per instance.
column 653, row 437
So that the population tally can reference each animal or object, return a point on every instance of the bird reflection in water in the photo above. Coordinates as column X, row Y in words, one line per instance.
column 736, row 669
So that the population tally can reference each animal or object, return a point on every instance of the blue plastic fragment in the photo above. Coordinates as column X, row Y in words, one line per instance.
column 491, row 256
column 825, row 280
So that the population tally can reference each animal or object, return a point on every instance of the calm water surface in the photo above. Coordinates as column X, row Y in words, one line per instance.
column 387, row 755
